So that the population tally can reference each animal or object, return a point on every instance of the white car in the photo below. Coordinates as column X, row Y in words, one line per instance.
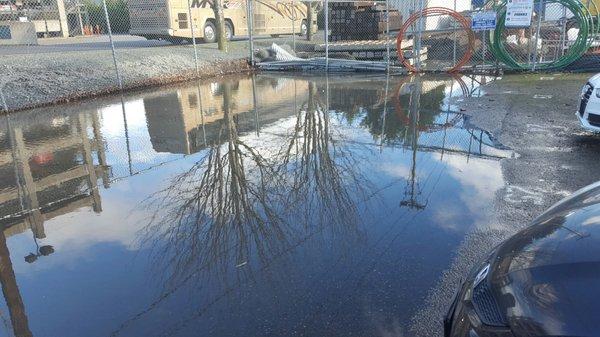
column 589, row 107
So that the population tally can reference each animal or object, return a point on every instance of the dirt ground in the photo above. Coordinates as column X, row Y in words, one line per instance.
column 535, row 116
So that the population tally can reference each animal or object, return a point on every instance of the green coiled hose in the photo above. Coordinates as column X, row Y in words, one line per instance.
column 575, row 51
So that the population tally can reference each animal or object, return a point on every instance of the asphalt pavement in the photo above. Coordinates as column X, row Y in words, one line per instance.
column 534, row 115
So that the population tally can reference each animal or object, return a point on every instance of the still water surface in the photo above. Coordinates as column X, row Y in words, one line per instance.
column 253, row 206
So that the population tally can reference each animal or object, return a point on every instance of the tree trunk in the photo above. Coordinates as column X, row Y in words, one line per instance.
column 310, row 15
column 220, row 23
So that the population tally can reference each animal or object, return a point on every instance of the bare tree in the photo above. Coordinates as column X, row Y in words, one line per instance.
column 310, row 17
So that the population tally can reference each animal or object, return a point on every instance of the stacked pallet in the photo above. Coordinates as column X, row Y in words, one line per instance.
column 361, row 20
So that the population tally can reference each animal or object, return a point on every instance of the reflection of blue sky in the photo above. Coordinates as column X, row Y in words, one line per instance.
column 99, row 276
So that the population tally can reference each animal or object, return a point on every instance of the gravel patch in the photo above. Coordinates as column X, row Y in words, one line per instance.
column 30, row 80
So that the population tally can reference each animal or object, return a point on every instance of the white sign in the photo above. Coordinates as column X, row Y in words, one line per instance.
column 518, row 13
column 485, row 20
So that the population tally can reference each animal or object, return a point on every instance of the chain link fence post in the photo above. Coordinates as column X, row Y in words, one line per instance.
column 417, row 47
column 294, row 18
column 112, row 45
column 454, row 36
column 193, row 31
column 563, row 32
column 483, row 47
column 537, row 34
column 326, row 34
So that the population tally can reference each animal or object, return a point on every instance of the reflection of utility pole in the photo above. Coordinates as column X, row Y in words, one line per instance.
column 412, row 189
column 326, row 114
column 10, row 290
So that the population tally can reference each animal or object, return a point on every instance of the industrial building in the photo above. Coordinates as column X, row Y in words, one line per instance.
column 23, row 21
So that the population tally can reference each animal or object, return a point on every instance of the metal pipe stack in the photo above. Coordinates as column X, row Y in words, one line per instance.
column 360, row 20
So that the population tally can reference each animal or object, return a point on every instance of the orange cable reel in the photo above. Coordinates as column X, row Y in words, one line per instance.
column 463, row 21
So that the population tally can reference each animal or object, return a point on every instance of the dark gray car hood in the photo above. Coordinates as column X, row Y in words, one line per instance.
column 547, row 277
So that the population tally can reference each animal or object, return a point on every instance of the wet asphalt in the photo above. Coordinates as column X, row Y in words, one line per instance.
column 534, row 115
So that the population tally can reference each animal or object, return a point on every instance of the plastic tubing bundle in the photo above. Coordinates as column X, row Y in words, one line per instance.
column 582, row 15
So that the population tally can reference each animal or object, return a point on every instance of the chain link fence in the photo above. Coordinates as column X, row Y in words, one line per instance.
column 55, row 50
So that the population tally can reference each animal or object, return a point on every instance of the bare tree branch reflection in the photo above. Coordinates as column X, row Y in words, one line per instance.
column 238, row 205
column 323, row 174
column 215, row 214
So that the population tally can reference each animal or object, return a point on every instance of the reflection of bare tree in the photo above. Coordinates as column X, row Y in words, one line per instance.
column 322, row 174
column 236, row 205
column 217, row 212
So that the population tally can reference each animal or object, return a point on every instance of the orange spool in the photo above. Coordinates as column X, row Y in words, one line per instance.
column 464, row 22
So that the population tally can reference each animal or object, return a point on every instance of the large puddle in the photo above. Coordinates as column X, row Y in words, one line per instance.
column 264, row 206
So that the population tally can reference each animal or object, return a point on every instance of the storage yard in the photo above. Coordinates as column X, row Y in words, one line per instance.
column 283, row 168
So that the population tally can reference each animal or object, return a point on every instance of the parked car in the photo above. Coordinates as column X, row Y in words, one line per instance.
column 543, row 281
column 589, row 106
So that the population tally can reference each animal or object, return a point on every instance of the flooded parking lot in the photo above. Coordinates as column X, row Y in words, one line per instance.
column 252, row 206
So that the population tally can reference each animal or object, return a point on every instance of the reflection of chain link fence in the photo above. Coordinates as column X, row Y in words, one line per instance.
column 130, row 43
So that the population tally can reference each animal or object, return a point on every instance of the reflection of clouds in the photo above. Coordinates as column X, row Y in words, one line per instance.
column 74, row 240
column 75, row 235
column 112, row 117
column 448, row 217
column 396, row 170
column 480, row 180
column 71, row 235
column 594, row 221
